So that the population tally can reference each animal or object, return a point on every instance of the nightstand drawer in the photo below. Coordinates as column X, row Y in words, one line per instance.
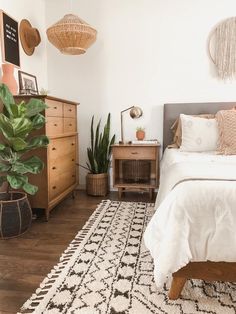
column 134, row 152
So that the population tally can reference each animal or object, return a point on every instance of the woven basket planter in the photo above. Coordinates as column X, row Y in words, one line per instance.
column 97, row 184
column 71, row 35
column 15, row 214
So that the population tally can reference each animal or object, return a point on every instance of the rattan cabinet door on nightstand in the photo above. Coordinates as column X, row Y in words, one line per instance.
column 135, row 167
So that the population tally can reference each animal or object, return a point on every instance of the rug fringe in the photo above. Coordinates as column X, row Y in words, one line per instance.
column 37, row 298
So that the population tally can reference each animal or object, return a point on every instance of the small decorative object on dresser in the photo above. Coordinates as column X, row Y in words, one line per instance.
column 17, row 124
column 8, row 77
column 27, row 84
column 59, row 177
column 140, row 133
column 99, row 159
column 136, row 167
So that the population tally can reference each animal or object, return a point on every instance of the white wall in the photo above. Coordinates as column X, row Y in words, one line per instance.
column 148, row 52
column 34, row 11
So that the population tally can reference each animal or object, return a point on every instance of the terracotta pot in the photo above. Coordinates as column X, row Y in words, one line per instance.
column 140, row 135
column 8, row 77
column 16, row 214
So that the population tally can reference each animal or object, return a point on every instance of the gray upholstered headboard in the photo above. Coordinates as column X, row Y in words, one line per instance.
column 172, row 112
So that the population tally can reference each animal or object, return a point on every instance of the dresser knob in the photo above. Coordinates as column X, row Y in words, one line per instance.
column 55, row 124
column 72, row 144
column 73, row 175
column 70, row 109
column 72, row 159
column 55, row 108
column 54, row 148
column 54, row 168
column 54, row 187
column 70, row 124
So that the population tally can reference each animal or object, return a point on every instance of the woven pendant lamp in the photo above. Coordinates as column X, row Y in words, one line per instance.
column 71, row 35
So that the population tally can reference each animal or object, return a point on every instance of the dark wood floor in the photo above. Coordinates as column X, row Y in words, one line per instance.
column 26, row 260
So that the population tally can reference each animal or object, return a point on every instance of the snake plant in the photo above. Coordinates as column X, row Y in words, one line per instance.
column 100, row 151
column 16, row 124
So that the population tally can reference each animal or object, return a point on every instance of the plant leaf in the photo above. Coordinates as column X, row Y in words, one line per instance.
column 38, row 121
column 4, row 167
column 2, row 146
column 6, row 98
column 38, row 142
column 34, row 107
column 16, row 181
column 5, row 126
column 32, row 165
column 30, row 188
column 17, row 143
column 21, row 127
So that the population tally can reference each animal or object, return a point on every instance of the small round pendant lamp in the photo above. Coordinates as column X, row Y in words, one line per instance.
column 71, row 35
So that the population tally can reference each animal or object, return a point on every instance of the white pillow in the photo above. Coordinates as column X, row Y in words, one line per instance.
column 198, row 134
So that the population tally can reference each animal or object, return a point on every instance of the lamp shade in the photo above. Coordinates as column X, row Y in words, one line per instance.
column 135, row 112
column 71, row 35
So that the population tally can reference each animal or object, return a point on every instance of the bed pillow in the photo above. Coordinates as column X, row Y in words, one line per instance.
column 177, row 129
column 226, row 120
column 198, row 135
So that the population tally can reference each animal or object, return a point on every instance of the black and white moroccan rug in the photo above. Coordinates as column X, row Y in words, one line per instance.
column 107, row 270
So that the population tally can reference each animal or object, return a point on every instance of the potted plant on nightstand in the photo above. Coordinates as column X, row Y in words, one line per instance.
column 99, row 159
column 140, row 133
column 16, row 162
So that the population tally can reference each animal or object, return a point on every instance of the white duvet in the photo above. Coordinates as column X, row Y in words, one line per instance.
column 195, row 218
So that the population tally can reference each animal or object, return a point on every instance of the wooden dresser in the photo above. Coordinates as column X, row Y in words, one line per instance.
column 59, row 177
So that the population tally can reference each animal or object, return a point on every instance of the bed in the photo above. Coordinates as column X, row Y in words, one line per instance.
column 191, row 235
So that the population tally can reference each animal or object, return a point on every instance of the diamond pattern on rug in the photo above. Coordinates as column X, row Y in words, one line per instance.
column 107, row 270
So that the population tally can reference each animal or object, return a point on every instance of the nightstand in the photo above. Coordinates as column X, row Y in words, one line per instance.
column 135, row 167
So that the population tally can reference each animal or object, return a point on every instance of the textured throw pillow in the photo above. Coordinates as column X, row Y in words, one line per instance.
column 177, row 129
column 226, row 120
column 198, row 135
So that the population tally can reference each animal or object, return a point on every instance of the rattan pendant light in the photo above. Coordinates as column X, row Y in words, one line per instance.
column 71, row 35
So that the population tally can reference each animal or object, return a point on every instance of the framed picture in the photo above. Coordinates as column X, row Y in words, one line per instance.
column 27, row 84
column 9, row 39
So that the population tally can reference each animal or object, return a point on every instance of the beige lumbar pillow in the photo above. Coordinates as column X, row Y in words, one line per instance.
column 226, row 120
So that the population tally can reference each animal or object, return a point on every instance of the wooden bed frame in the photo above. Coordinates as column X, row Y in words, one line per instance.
column 210, row 271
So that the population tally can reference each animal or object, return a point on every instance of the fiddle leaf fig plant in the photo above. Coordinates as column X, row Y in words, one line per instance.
column 16, row 125
column 100, row 151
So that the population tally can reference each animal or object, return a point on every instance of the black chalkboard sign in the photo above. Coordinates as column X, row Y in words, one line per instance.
column 10, row 40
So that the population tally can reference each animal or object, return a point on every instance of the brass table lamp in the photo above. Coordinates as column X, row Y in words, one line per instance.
column 135, row 113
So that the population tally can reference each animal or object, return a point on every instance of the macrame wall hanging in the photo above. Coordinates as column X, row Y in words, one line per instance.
column 222, row 48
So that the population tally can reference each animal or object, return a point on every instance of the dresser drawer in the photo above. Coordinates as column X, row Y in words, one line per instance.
column 55, row 108
column 62, row 146
column 134, row 152
column 54, row 126
column 61, row 182
column 60, row 165
column 69, row 125
column 69, row 111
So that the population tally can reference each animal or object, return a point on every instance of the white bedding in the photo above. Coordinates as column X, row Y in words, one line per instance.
column 195, row 218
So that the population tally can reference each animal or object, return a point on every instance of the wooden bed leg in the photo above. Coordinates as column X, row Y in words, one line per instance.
column 177, row 285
